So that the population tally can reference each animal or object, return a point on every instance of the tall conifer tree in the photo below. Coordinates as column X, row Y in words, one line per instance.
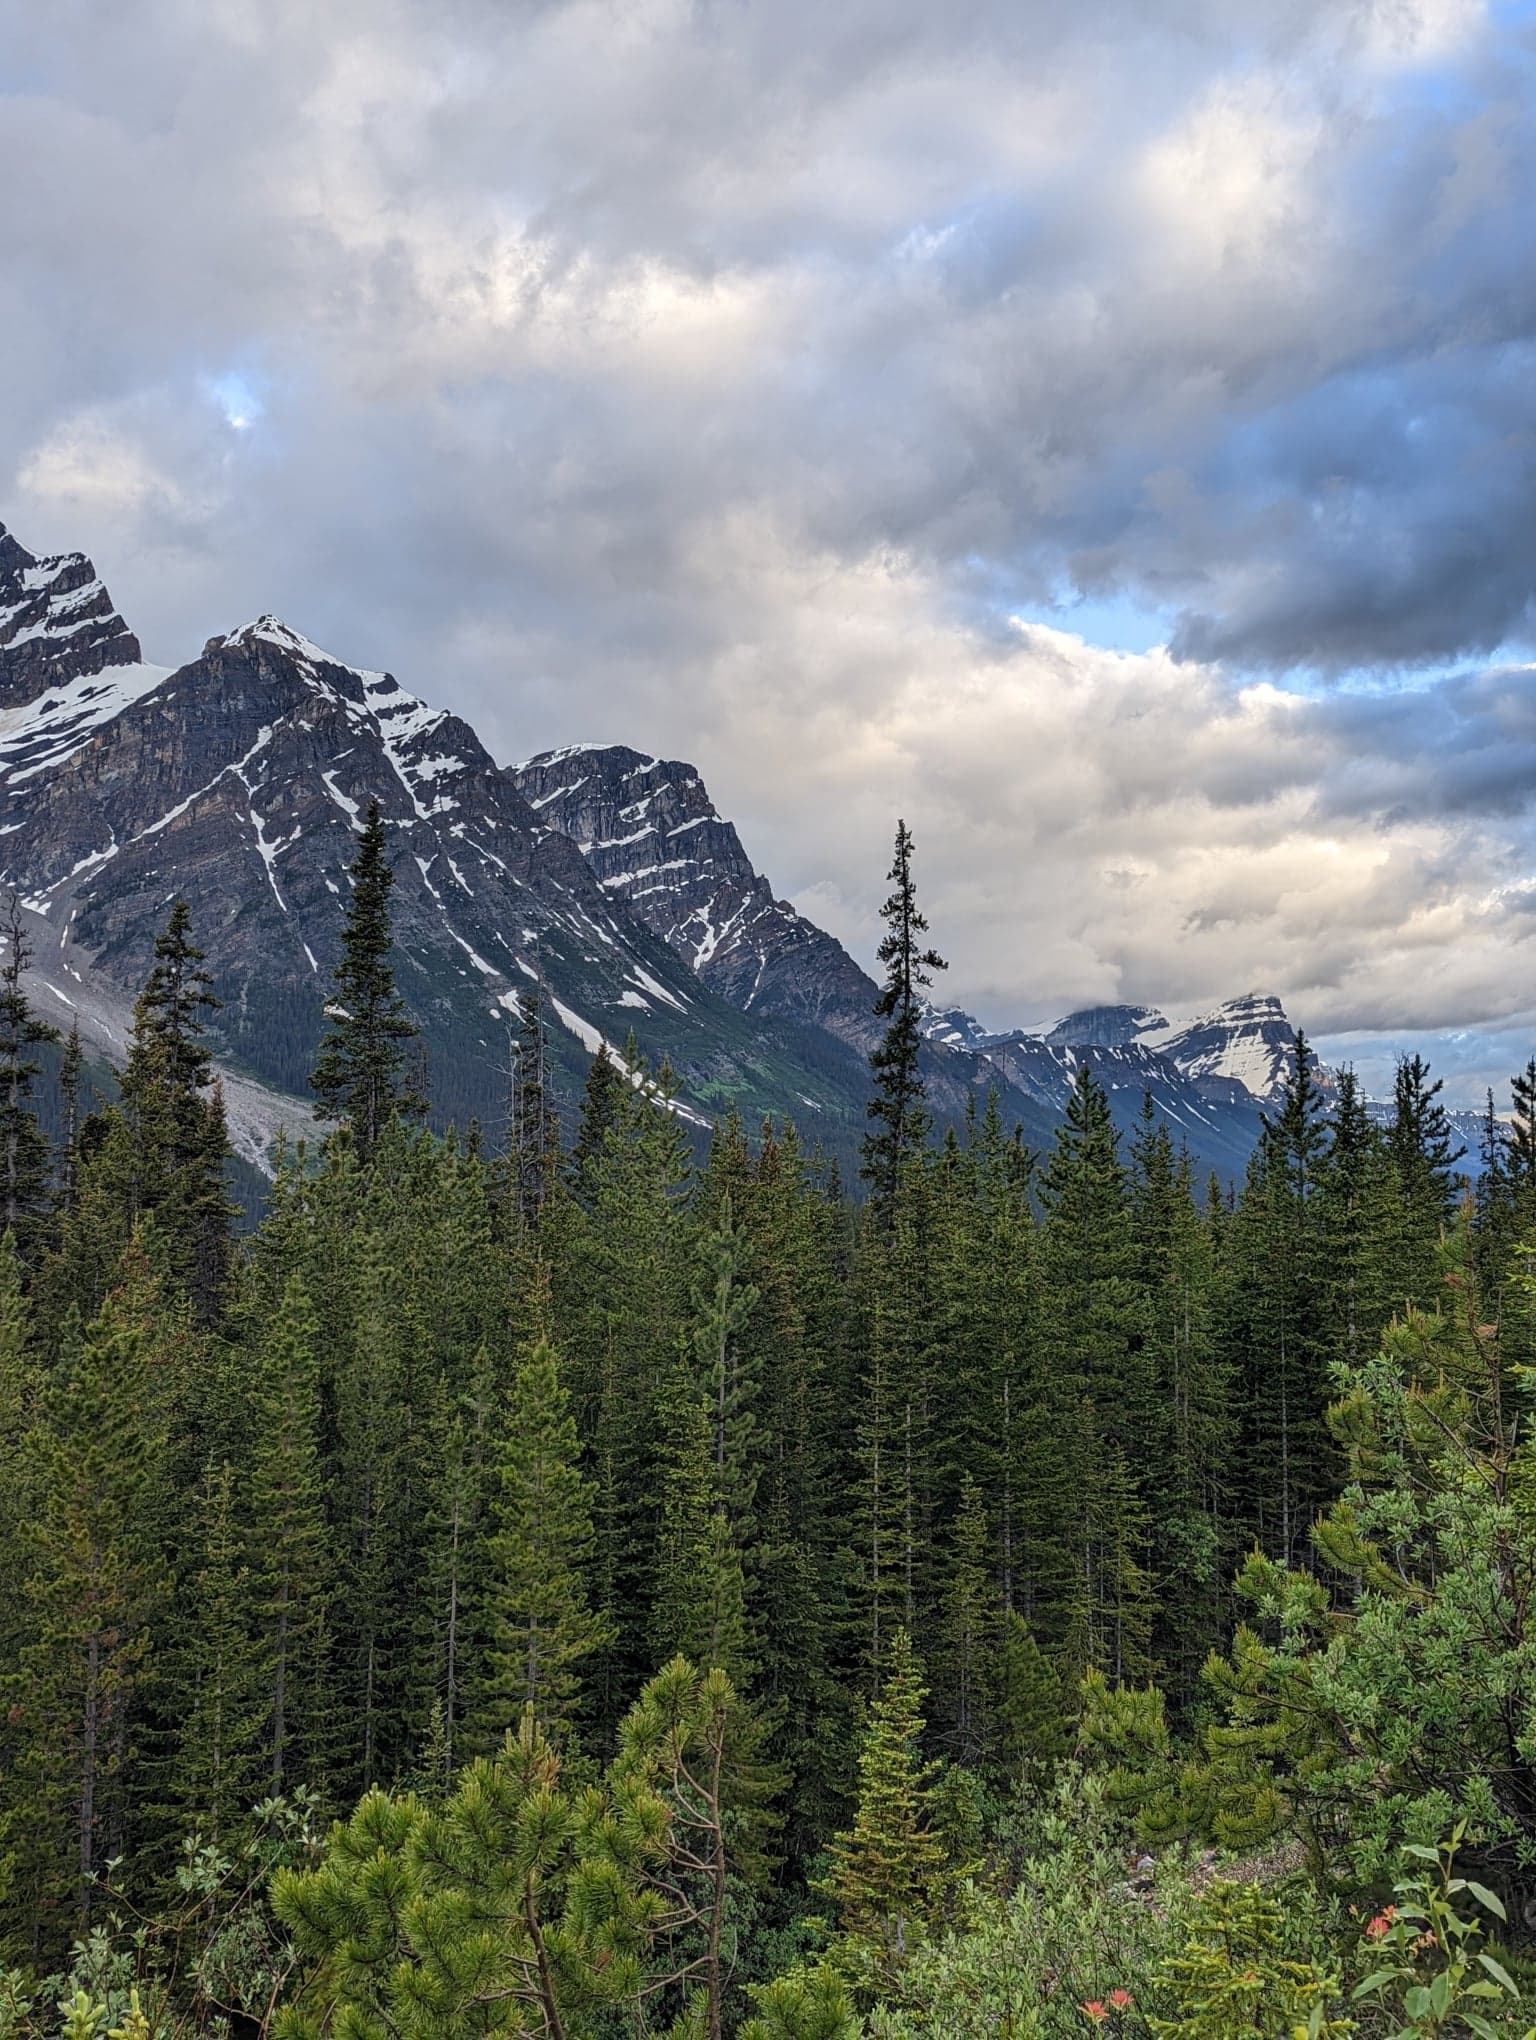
column 539, row 1621
column 97, row 1585
column 23, row 1146
column 362, row 1074
column 287, row 1552
column 174, row 1114
column 899, row 1108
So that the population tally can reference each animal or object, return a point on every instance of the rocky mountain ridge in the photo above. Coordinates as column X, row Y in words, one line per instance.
column 600, row 873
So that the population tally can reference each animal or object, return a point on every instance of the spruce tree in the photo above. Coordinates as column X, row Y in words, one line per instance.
column 969, row 1630
column 23, row 1146
column 21, row 1456
column 603, row 1103
column 362, row 1076
column 1522, row 1135
column 886, row 1879
column 1424, row 1155
column 1096, row 1418
column 697, row 1596
column 898, row 1107
column 539, row 1622
column 1280, row 1329
column 722, row 1304
column 533, row 1133
column 71, row 1071
column 174, row 1116
column 619, row 1293
column 1186, row 1451
column 287, row 1553
column 216, row 1678
column 95, row 1591
column 456, row 1524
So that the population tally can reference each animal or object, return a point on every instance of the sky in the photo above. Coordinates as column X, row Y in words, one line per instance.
column 1105, row 436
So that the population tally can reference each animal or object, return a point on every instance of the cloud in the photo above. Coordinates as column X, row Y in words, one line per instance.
column 731, row 379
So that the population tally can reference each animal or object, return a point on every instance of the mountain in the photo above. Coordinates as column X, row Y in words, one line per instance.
column 602, row 874
column 57, row 623
column 1248, row 1042
column 655, row 841
column 236, row 780
column 1219, row 1124
column 1107, row 1027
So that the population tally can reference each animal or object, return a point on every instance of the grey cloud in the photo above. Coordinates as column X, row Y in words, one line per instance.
column 719, row 378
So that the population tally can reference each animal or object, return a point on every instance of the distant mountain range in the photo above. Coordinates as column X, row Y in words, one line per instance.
column 603, row 875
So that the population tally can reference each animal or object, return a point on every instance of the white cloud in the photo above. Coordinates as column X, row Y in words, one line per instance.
column 726, row 379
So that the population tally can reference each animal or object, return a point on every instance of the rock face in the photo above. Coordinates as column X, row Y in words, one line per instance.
column 656, row 843
column 57, row 623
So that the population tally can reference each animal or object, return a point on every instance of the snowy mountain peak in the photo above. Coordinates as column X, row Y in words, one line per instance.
column 57, row 623
column 1247, row 1041
column 952, row 1027
column 271, row 630
column 1107, row 1027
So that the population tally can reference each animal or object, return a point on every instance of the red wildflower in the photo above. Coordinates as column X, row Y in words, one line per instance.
column 1377, row 1929
column 1121, row 2000
column 1094, row 2007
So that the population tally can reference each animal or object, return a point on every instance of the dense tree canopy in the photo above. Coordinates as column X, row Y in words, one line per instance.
column 709, row 1603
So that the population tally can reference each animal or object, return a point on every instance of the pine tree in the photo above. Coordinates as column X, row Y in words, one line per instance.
column 722, row 1304
column 533, row 1133
column 23, row 1146
column 361, row 1075
column 216, row 1677
column 95, row 1590
column 697, row 1598
column 286, row 1548
column 887, row 1872
column 692, row 1742
column 540, row 1625
column 1031, row 1721
column 179, row 1140
column 898, row 1107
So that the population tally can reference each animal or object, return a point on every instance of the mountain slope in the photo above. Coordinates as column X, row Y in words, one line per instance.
column 236, row 781
column 655, row 841
column 603, row 875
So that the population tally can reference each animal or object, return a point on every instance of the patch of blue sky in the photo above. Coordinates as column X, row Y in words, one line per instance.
column 236, row 394
column 1116, row 623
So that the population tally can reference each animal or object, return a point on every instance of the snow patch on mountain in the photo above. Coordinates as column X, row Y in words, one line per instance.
column 39, row 736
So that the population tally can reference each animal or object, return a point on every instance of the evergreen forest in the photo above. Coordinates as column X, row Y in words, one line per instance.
column 543, row 1580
